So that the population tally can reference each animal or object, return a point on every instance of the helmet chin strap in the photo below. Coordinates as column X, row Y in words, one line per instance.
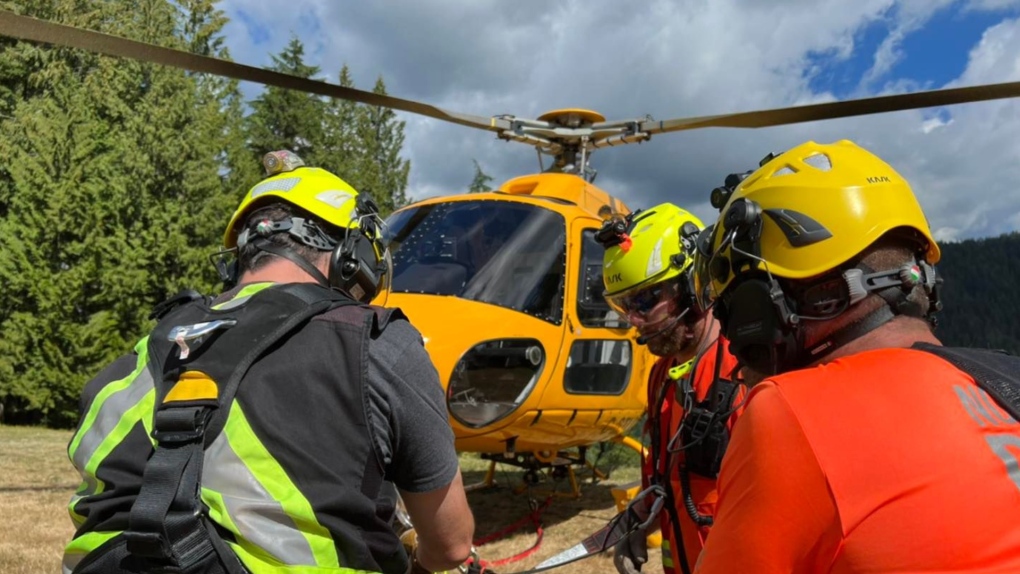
column 287, row 253
column 853, row 331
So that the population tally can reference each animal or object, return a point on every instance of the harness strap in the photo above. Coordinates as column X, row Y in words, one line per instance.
column 168, row 523
column 164, row 523
column 318, row 300
column 1002, row 386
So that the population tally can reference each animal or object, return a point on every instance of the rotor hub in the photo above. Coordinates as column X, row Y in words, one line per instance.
column 572, row 117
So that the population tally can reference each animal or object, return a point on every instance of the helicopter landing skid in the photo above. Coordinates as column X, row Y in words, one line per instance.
column 488, row 482
column 557, row 473
column 558, row 466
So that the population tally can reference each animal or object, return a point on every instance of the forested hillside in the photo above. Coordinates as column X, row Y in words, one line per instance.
column 118, row 177
column 981, row 304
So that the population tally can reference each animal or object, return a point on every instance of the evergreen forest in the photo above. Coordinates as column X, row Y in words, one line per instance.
column 117, row 177
column 978, row 293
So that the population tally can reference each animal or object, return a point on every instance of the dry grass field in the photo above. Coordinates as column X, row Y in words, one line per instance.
column 36, row 482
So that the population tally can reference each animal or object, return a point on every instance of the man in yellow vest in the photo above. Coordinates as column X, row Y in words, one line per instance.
column 263, row 430
column 647, row 273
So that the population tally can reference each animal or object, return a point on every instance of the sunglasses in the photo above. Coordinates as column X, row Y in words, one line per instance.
column 643, row 301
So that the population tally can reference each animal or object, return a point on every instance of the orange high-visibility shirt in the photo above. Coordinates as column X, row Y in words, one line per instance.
column 890, row 460
column 703, row 489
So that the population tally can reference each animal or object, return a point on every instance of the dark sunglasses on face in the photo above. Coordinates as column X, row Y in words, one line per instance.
column 645, row 300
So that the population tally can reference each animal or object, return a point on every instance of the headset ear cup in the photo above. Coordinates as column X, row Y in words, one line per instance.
column 758, row 327
column 353, row 267
column 743, row 213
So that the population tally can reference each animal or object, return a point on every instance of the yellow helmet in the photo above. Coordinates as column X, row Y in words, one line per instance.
column 650, row 248
column 313, row 189
column 359, row 264
column 806, row 215
column 820, row 205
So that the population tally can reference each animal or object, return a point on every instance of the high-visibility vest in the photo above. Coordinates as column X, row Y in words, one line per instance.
column 280, row 507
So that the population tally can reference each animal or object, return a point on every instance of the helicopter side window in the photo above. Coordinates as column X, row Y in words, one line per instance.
column 592, row 309
column 598, row 367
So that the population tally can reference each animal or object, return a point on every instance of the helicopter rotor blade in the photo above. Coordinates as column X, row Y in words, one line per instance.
column 36, row 30
column 541, row 134
column 833, row 110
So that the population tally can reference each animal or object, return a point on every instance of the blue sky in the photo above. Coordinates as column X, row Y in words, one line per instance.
column 932, row 55
column 676, row 58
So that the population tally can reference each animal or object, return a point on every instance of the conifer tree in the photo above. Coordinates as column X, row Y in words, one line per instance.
column 382, row 171
column 287, row 119
column 339, row 150
column 481, row 180
column 222, row 109
column 23, row 64
column 114, row 165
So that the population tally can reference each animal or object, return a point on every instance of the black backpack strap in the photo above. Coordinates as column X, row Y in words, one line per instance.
column 182, row 298
column 317, row 300
column 168, row 525
column 996, row 372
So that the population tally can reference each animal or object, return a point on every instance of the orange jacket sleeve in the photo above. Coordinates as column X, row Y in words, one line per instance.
column 775, row 512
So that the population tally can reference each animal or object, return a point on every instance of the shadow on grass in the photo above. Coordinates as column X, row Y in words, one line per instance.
column 69, row 488
column 498, row 507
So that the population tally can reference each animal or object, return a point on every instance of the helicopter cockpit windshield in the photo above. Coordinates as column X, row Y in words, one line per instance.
column 503, row 253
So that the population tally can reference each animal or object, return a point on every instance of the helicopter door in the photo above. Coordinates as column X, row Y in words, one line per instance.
column 600, row 351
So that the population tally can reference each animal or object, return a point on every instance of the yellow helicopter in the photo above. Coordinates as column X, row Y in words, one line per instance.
column 506, row 286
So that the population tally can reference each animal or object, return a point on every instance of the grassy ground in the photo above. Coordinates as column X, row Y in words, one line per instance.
column 36, row 482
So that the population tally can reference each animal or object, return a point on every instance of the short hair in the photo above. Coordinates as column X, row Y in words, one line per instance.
column 891, row 252
column 887, row 253
column 251, row 258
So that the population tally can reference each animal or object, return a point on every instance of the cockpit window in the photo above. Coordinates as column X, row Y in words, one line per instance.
column 592, row 309
column 504, row 253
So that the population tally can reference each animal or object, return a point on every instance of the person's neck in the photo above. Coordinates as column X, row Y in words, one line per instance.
column 277, row 271
column 709, row 336
column 902, row 332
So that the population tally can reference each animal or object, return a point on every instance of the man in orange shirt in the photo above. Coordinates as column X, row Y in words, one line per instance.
column 647, row 272
column 867, row 446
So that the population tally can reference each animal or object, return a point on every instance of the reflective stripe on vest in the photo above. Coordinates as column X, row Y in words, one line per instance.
column 242, row 296
column 667, row 553
column 81, row 546
column 246, row 489
column 111, row 416
column 250, row 494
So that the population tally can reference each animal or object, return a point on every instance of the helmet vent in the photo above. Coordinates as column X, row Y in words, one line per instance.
column 819, row 161
column 785, row 170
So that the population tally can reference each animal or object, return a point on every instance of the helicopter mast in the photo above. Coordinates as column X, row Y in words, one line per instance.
column 570, row 136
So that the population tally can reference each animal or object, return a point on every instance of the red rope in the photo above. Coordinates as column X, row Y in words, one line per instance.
column 535, row 517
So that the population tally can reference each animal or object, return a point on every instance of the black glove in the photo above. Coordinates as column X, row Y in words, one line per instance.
column 632, row 552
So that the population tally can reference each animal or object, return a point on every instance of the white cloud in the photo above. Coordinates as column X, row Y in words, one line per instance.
column 992, row 5
column 910, row 16
column 927, row 126
column 668, row 59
